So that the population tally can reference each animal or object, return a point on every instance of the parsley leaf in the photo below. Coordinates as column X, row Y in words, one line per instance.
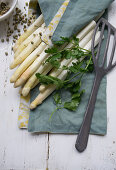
column 71, row 105
column 54, row 60
column 62, row 41
column 74, row 52
column 74, row 103
column 57, row 98
column 47, row 80
column 51, row 50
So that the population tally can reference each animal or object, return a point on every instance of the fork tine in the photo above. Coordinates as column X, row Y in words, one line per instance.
column 108, row 24
column 113, row 51
column 93, row 41
column 114, row 65
column 99, row 45
column 107, row 45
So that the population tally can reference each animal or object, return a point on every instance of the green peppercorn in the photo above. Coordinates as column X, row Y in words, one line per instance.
column 6, row 53
column 2, row 40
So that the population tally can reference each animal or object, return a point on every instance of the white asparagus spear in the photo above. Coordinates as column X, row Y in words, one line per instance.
column 27, row 62
column 86, row 30
column 42, row 96
column 99, row 16
column 39, row 21
column 34, row 66
column 34, row 85
column 56, row 72
column 43, row 69
column 25, row 43
column 30, row 70
column 26, row 52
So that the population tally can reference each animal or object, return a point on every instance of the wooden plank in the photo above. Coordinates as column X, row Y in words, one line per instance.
column 101, row 151
column 19, row 149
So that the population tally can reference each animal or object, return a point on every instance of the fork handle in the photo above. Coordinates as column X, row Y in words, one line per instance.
column 82, row 139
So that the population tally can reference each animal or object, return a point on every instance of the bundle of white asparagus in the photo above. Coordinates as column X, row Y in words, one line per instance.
column 29, row 54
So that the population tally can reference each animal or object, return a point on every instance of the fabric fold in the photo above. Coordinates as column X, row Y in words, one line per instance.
column 78, row 14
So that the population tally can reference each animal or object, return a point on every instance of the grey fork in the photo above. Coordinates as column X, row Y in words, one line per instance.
column 100, row 72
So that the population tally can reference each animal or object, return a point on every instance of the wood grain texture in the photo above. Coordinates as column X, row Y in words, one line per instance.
column 20, row 150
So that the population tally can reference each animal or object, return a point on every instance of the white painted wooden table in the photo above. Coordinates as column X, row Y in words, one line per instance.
column 20, row 150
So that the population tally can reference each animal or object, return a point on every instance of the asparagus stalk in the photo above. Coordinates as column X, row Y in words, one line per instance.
column 56, row 72
column 27, row 62
column 39, row 21
column 25, row 43
column 34, row 85
column 31, row 69
column 42, row 96
column 86, row 30
column 26, row 52
column 44, row 69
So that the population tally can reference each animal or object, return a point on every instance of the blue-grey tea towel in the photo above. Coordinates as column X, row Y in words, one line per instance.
column 78, row 14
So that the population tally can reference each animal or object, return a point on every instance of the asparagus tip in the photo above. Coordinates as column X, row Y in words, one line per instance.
column 25, row 91
column 32, row 106
column 42, row 88
column 17, row 84
column 12, row 79
column 12, row 66
column 37, row 101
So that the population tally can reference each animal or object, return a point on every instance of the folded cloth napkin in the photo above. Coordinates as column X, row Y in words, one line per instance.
column 69, row 122
column 77, row 14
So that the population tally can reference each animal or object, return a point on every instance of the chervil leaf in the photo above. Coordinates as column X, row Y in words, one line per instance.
column 74, row 103
column 51, row 50
column 57, row 98
column 65, row 39
column 66, row 54
column 76, row 86
column 62, row 41
column 69, row 85
column 56, row 57
column 55, row 63
column 76, row 67
column 90, row 66
column 65, row 67
column 77, row 96
column 49, row 80
column 76, row 40
column 54, row 60
column 71, row 105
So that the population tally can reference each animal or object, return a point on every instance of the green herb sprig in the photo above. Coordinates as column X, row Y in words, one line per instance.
column 73, row 81
column 57, row 54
